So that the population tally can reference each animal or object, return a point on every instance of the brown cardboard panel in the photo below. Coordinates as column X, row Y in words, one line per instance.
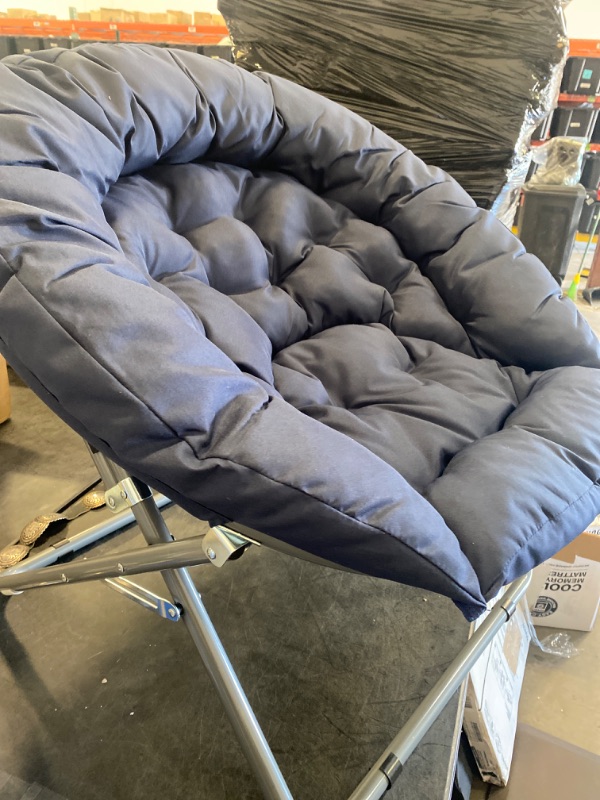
column 586, row 545
column 547, row 768
column 4, row 392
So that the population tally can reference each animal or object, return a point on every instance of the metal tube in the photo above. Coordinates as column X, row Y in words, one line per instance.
column 133, row 592
column 187, row 552
column 372, row 787
column 145, row 598
column 229, row 689
column 77, row 541
column 216, row 661
column 205, row 637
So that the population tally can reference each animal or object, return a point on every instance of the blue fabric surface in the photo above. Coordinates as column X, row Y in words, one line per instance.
column 263, row 306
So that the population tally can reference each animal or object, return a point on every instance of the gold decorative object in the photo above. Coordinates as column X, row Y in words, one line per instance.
column 12, row 554
column 34, row 529
column 17, row 551
column 93, row 500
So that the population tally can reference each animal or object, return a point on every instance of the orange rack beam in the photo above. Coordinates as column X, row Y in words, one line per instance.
column 586, row 48
column 580, row 99
column 113, row 31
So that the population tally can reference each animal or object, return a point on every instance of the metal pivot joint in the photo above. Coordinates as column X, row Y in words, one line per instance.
column 127, row 493
column 145, row 598
column 391, row 768
column 220, row 544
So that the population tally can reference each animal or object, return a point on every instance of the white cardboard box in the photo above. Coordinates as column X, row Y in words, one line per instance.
column 565, row 590
column 493, row 691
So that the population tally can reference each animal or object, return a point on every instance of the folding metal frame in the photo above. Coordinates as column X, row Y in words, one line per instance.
column 130, row 500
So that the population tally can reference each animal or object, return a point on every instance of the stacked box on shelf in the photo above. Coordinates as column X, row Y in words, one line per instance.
column 462, row 84
column 49, row 44
column 574, row 122
column 20, row 45
column 542, row 131
column 581, row 82
column 192, row 48
column 581, row 76
column 217, row 51
column 7, row 46
column 27, row 44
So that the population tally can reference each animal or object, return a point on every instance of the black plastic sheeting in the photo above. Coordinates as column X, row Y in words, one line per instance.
column 462, row 83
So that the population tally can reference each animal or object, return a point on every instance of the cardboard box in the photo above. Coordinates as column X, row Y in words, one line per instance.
column 548, row 768
column 202, row 18
column 492, row 702
column 4, row 392
column 565, row 590
column 21, row 13
column 175, row 17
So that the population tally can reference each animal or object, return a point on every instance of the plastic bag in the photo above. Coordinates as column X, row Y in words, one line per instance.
column 560, row 162
column 462, row 84
column 557, row 643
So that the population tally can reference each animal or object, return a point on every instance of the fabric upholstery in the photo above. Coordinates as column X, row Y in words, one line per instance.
column 257, row 302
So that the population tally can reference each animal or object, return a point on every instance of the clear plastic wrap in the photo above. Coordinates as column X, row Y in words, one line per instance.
column 462, row 84
column 507, row 200
column 560, row 162
column 558, row 644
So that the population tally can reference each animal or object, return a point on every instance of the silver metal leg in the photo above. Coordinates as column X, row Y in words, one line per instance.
column 387, row 768
column 170, row 558
column 206, row 639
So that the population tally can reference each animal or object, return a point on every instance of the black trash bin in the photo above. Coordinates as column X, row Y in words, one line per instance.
column 548, row 224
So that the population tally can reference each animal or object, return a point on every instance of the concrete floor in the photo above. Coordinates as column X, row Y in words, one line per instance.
column 102, row 700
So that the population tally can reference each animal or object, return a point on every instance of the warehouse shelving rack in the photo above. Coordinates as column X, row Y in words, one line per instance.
column 113, row 31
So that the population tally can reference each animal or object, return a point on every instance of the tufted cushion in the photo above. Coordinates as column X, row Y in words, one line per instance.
column 263, row 306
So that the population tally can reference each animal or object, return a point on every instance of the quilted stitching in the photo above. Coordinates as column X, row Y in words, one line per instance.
column 254, row 300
